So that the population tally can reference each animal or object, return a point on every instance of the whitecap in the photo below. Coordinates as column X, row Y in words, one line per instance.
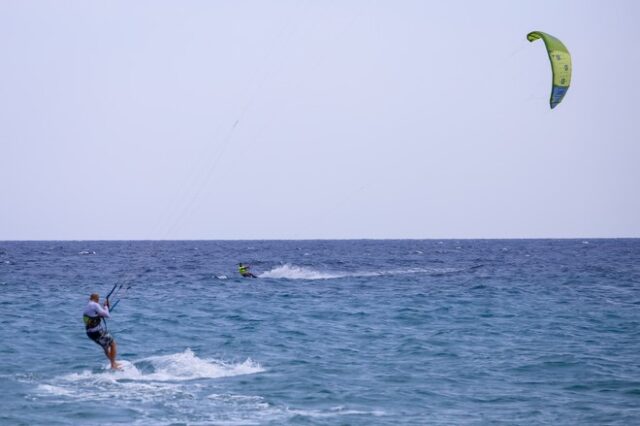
column 335, row 412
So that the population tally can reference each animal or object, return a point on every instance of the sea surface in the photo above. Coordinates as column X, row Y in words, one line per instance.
column 407, row 332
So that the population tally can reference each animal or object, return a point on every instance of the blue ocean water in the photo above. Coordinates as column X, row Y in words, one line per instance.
column 365, row 332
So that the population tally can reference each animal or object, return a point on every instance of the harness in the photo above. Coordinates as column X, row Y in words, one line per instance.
column 91, row 322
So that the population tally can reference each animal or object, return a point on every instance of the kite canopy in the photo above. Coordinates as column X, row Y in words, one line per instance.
column 560, row 65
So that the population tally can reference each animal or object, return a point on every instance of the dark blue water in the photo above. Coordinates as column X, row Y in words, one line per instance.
column 333, row 332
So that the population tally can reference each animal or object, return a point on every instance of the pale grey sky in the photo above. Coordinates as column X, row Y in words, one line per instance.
column 316, row 119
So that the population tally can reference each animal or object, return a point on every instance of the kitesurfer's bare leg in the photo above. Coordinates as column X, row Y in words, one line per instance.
column 111, row 351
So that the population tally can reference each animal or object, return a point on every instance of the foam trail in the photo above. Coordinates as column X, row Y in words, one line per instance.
column 166, row 368
column 293, row 272
column 299, row 273
column 187, row 366
column 148, row 379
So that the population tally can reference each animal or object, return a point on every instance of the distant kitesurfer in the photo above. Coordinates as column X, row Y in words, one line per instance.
column 92, row 317
column 244, row 271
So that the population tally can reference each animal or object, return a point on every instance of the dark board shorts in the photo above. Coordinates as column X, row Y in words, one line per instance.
column 101, row 337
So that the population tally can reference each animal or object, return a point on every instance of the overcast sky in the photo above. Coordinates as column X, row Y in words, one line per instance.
column 316, row 119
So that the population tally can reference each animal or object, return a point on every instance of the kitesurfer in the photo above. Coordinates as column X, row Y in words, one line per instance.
column 244, row 271
column 93, row 321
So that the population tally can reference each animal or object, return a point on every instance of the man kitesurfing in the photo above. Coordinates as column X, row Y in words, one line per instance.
column 244, row 271
column 93, row 317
